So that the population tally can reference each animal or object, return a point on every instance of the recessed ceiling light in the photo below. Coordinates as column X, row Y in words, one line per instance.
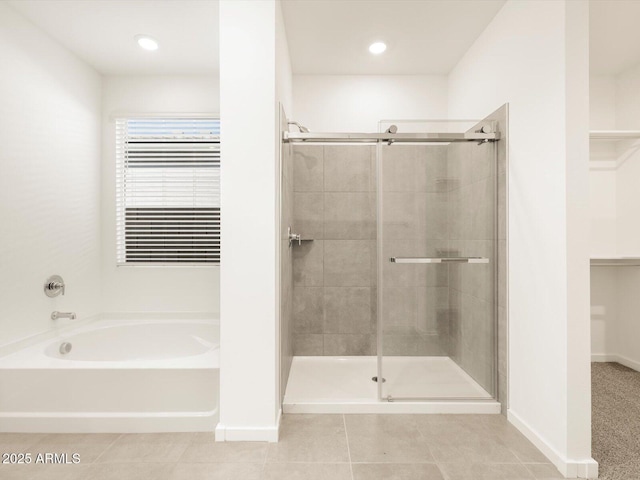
column 146, row 42
column 377, row 48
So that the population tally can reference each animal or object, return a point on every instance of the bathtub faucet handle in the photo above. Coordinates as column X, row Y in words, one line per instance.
column 54, row 286
column 56, row 315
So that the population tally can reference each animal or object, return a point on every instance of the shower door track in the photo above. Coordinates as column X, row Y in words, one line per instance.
column 295, row 137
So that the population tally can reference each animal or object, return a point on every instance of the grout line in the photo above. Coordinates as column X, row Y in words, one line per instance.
column 95, row 460
column 344, row 421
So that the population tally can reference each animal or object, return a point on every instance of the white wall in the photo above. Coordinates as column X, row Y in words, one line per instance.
column 253, row 80
column 151, row 289
column 602, row 102
column 534, row 55
column 628, row 99
column 49, row 179
column 355, row 103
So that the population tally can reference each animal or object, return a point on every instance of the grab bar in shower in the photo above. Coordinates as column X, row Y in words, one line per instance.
column 439, row 260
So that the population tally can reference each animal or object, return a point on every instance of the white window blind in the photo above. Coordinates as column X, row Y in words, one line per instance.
column 168, row 190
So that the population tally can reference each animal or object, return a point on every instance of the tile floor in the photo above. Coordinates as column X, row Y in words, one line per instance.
column 311, row 447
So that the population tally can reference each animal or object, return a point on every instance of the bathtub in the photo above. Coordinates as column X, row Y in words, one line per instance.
column 118, row 376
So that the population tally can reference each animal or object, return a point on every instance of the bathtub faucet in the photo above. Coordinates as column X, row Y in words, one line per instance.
column 56, row 315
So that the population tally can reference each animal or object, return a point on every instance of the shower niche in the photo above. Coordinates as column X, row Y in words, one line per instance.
column 398, row 293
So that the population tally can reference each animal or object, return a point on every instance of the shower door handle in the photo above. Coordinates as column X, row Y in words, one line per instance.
column 439, row 260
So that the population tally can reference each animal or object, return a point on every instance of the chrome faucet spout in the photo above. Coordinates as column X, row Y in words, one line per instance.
column 56, row 315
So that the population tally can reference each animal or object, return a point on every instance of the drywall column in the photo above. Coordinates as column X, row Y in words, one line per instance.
column 534, row 55
column 248, row 354
column 578, row 250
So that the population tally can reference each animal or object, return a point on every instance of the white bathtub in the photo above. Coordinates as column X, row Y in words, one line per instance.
column 119, row 376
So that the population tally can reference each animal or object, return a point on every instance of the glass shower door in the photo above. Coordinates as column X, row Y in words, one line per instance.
column 437, row 270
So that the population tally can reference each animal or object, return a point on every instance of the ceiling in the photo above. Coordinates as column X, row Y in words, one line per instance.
column 325, row 36
column 422, row 36
column 614, row 36
column 100, row 32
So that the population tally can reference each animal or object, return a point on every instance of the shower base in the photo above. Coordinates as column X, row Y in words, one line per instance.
column 344, row 385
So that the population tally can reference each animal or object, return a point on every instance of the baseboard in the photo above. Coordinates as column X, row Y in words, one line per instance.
column 108, row 422
column 249, row 434
column 585, row 468
column 622, row 360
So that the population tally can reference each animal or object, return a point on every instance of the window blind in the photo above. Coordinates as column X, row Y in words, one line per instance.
column 168, row 190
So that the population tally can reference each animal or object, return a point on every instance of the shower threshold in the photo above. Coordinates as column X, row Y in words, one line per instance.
column 343, row 385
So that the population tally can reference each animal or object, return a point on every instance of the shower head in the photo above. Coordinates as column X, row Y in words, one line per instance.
column 302, row 128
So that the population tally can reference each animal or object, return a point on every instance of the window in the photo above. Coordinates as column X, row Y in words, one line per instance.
column 168, row 191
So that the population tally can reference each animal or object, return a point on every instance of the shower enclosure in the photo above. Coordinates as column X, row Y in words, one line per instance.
column 398, row 275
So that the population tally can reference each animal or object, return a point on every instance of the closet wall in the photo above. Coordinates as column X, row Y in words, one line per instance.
column 615, row 225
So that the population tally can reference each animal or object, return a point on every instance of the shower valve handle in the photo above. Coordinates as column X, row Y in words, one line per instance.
column 54, row 286
column 293, row 237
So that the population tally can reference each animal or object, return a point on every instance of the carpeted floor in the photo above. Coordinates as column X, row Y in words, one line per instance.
column 616, row 421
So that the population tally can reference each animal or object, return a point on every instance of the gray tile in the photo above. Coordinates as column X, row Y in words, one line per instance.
column 349, row 310
column 502, row 207
column 396, row 471
column 45, row 472
column 347, row 168
column 484, row 471
column 308, row 344
column 432, row 308
column 308, row 261
column 522, row 447
column 399, row 215
column 399, row 168
column 474, row 449
column 308, row 168
column 431, row 216
column 349, row 216
column 310, row 438
column 348, row 263
column 144, row 448
column 308, row 215
column 307, row 471
column 399, row 307
column 386, row 439
column 210, row 451
column 88, row 452
column 431, row 168
column 483, row 162
column 542, row 471
column 156, row 438
column 431, row 275
column 19, row 442
column 217, row 471
column 130, row 471
column 62, row 439
column 308, row 310
column 344, row 344
column 502, row 273
column 502, row 341
column 401, row 344
column 399, row 274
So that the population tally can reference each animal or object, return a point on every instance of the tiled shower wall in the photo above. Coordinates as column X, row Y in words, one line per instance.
column 334, row 270
column 286, row 264
column 472, row 233
column 477, row 207
column 415, row 224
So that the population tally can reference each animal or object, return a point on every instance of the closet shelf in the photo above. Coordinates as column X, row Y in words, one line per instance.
column 614, row 134
column 614, row 261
